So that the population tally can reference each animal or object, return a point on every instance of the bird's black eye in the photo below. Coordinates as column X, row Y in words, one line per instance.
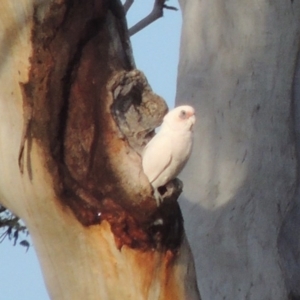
column 183, row 114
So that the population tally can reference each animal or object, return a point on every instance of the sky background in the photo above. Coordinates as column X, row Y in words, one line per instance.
column 156, row 52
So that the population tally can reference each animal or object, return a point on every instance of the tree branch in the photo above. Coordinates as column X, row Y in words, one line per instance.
column 156, row 13
column 127, row 5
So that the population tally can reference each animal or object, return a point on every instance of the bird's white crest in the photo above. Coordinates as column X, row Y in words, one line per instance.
column 166, row 154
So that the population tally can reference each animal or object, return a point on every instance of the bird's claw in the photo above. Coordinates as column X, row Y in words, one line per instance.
column 158, row 197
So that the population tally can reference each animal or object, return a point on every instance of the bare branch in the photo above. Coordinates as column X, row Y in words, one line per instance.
column 156, row 13
column 127, row 5
column 170, row 7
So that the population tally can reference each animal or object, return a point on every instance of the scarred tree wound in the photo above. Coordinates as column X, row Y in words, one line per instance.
column 92, row 113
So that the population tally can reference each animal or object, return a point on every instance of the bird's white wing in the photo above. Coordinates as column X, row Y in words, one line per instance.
column 157, row 156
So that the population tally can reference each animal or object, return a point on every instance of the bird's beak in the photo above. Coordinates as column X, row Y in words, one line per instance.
column 192, row 121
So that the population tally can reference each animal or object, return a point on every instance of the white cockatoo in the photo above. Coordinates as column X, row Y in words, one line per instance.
column 167, row 153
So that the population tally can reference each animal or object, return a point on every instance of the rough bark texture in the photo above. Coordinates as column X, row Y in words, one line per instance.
column 237, row 67
column 70, row 99
column 75, row 116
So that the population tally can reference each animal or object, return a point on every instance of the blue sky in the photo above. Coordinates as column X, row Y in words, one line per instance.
column 156, row 51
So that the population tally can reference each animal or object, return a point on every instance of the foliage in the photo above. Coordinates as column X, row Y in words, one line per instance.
column 12, row 227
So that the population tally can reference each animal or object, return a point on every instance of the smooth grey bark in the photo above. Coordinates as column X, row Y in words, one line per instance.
column 289, row 238
column 237, row 66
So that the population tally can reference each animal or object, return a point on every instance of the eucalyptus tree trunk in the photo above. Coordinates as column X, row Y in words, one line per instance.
column 237, row 67
column 74, row 118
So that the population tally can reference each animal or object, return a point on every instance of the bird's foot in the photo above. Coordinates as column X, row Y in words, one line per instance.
column 158, row 197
